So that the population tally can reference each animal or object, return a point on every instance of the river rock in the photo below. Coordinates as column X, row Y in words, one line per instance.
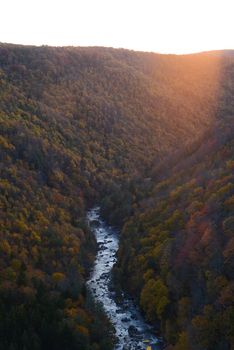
column 104, row 275
column 134, row 317
column 96, row 223
column 133, row 331
column 102, row 248
column 119, row 311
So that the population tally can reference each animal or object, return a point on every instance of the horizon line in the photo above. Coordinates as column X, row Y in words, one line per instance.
column 117, row 48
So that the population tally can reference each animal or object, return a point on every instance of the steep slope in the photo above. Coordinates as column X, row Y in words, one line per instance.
column 176, row 252
column 145, row 103
column 80, row 126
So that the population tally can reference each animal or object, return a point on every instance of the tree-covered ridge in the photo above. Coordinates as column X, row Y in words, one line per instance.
column 127, row 96
column 45, row 247
column 80, row 126
column 177, row 252
column 112, row 111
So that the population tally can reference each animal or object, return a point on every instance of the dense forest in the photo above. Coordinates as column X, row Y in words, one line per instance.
column 176, row 254
column 149, row 138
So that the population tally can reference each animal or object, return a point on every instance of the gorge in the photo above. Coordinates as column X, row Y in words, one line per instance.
column 149, row 139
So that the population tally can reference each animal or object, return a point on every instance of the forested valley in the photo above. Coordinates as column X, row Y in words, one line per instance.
column 148, row 138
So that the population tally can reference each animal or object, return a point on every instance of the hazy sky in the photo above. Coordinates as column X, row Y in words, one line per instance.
column 178, row 26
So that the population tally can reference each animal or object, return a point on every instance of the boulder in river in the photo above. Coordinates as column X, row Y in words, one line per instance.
column 104, row 275
column 133, row 331
column 96, row 223
column 119, row 311
column 102, row 247
column 134, row 317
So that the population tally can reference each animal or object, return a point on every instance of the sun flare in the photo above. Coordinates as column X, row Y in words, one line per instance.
column 166, row 26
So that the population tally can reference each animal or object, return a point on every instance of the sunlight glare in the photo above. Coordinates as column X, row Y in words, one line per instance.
column 167, row 26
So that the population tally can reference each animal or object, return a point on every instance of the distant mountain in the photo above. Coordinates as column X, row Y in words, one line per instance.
column 219, row 53
column 81, row 126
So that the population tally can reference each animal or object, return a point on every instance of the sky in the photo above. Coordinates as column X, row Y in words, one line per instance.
column 165, row 26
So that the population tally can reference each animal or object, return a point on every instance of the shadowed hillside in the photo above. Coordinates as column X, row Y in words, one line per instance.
column 176, row 254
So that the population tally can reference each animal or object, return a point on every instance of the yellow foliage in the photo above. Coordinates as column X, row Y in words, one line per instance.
column 5, row 247
column 58, row 277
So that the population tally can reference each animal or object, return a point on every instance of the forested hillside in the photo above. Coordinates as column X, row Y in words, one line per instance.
column 177, row 254
column 81, row 126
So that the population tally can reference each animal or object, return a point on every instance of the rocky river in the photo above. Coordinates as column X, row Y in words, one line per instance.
column 132, row 332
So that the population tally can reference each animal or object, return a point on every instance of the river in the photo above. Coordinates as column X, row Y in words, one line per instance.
column 132, row 332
